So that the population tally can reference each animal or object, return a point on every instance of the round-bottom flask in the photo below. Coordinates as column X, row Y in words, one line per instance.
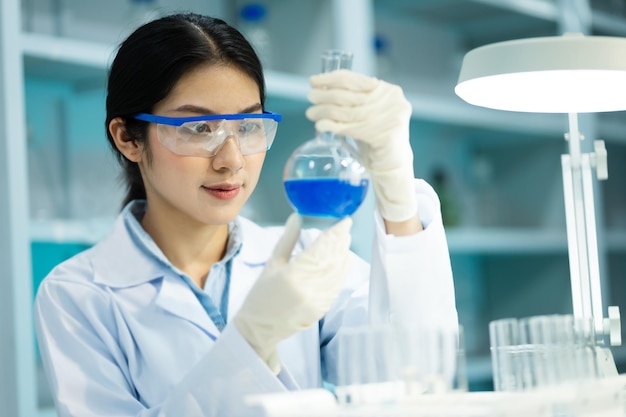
column 323, row 177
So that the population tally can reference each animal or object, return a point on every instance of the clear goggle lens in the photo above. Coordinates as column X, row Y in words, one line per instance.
column 205, row 137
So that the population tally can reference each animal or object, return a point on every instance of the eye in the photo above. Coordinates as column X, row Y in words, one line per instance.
column 198, row 128
column 250, row 127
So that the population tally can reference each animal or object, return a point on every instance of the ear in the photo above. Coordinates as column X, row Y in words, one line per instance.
column 128, row 146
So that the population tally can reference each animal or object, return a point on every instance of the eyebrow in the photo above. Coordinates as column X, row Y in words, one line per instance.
column 203, row 110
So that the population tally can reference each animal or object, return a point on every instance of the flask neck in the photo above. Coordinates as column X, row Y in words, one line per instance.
column 334, row 59
column 328, row 137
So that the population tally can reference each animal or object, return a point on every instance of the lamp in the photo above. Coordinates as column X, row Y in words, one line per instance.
column 572, row 73
column 569, row 74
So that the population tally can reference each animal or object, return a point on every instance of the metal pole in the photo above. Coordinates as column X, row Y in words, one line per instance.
column 592, row 280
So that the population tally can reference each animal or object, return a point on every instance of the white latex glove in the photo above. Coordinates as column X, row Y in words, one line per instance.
column 293, row 294
column 377, row 115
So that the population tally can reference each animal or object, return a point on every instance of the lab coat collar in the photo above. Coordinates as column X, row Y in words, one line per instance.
column 175, row 297
column 130, row 257
column 257, row 246
column 123, row 259
column 127, row 258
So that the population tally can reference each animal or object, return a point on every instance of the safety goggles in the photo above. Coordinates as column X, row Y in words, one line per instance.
column 204, row 135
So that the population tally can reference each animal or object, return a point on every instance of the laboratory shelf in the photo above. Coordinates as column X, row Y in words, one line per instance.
column 481, row 20
column 549, row 10
column 85, row 63
column 88, row 231
column 518, row 241
column 505, row 241
column 452, row 110
column 65, row 59
column 81, row 61
column 541, row 9
column 287, row 85
column 72, row 60
column 461, row 240
column 442, row 108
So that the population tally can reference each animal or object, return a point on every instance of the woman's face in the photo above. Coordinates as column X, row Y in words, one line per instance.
column 208, row 190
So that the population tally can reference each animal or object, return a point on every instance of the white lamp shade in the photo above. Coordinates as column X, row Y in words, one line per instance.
column 563, row 74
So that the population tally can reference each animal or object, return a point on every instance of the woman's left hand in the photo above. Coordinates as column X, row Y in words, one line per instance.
column 376, row 115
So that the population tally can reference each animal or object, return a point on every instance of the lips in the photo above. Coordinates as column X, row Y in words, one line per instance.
column 223, row 191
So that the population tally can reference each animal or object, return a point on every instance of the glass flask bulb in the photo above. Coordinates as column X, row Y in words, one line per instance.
column 323, row 177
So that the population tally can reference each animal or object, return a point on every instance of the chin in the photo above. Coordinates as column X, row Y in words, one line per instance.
column 220, row 215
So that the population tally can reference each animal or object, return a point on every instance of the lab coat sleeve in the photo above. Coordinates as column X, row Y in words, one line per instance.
column 88, row 373
column 411, row 279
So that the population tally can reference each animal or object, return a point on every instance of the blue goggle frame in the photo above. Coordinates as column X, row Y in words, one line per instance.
column 178, row 121
column 184, row 141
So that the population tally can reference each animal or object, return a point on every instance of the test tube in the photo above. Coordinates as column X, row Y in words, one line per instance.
column 368, row 366
column 507, row 353
column 542, row 351
column 383, row 364
column 565, row 349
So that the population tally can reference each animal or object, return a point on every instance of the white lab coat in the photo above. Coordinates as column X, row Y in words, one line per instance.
column 121, row 334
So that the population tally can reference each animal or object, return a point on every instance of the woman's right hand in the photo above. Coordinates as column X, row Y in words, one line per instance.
column 293, row 293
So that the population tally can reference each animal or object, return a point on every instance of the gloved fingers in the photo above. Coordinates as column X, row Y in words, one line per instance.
column 337, row 283
column 386, row 104
column 339, row 113
column 366, row 133
column 337, row 236
column 369, row 112
column 345, row 80
column 330, row 244
column 339, row 97
column 382, row 94
column 291, row 234
column 321, row 287
column 323, row 274
column 345, row 129
column 319, row 262
column 334, row 281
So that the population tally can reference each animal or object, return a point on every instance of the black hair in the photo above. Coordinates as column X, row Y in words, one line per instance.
column 150, row 62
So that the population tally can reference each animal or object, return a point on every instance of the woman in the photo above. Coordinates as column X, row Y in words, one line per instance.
column 187, row 307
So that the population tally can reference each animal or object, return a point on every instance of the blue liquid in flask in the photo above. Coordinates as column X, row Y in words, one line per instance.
column 325, row 197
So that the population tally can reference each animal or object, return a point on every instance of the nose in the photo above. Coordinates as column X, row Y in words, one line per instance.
column 228, row 155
